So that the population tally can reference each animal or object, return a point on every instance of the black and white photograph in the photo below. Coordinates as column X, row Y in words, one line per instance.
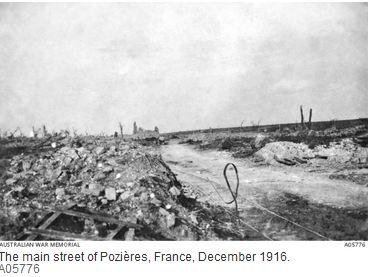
column 184, row 121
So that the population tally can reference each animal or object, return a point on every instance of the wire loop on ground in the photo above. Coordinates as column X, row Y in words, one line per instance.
column 235, row 193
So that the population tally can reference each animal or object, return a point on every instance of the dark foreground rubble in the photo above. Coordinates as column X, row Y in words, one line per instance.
column 117, row 178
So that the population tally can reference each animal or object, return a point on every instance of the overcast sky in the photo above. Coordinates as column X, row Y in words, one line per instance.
column 180, row 66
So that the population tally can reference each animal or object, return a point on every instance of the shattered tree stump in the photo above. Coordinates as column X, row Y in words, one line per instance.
column 302, row 119
column 310, row 116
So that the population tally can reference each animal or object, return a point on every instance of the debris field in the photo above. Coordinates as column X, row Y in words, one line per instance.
column 122, row 179
column 63, row 187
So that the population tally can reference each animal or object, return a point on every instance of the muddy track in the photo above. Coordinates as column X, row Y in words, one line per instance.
column 283, row 203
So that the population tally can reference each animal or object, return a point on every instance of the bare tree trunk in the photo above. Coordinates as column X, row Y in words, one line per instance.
column 310, row 116
column 44, row 131
column 35, row 134
column 121, row 129
column 302, row 120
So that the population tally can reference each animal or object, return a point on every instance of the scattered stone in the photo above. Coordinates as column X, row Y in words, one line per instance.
column 21, row 192
column 99, row 176
column 118, row 176
column 174, row 191
column 104, row 201
column 94, row 189
column 64, row 177
column 112, row 162
column 60, row 192
column 169, row 218
column 26, row 165
column 10, row 181
column 125, row 195
column 139, row 214
column 77, row 183
column 70, row 152
column 67, row 161
column 156, row 202
column 19, row 188
column 129, row 235
column 119, row 191
column 144, row 196
column 110, row 193
column 108, row 169
column 99, row 150
column 193, row 218
column 56, row 173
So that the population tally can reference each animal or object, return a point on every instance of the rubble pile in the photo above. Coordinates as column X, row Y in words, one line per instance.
column 119, row 178
column 283, row 150
column 345, row 151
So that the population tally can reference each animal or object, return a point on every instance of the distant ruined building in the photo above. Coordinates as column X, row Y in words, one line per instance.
column 143, row 133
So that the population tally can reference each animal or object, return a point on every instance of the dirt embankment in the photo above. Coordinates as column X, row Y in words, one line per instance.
column 123, row 179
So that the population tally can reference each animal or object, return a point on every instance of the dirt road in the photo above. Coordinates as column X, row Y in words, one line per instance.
column 309, row 199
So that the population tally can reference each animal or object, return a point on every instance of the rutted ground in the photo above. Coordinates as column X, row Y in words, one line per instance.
column 306, row 194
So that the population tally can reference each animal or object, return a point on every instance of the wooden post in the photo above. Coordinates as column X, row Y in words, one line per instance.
column 310, row 116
